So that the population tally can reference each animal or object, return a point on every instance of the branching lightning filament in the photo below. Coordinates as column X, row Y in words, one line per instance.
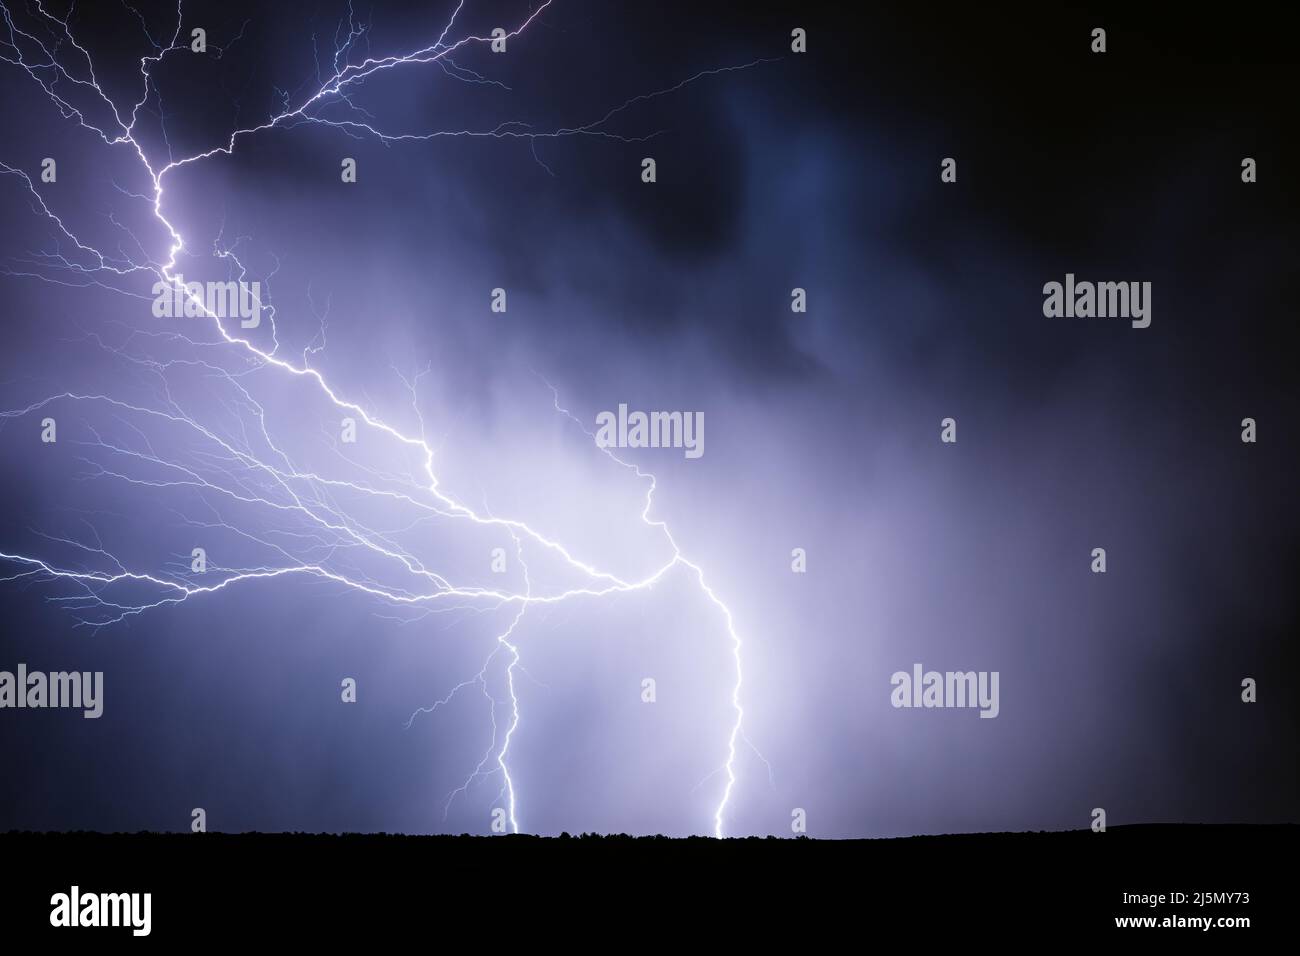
column 317, row 527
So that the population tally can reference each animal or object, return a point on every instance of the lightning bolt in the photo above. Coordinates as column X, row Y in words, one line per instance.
column 251, row 469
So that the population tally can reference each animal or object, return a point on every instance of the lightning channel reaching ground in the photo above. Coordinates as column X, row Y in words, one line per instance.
column 253, row 469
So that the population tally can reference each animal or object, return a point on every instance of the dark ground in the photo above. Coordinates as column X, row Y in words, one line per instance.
column 616, row 891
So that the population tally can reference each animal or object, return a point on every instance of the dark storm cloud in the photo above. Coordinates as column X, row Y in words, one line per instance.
column 925, row 301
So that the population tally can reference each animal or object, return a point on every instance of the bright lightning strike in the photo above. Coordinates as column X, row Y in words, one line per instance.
column 253, row 470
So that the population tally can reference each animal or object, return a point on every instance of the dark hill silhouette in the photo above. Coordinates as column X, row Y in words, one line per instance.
column 985, row 886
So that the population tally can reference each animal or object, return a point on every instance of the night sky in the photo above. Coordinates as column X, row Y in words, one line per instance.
column 775, row 170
